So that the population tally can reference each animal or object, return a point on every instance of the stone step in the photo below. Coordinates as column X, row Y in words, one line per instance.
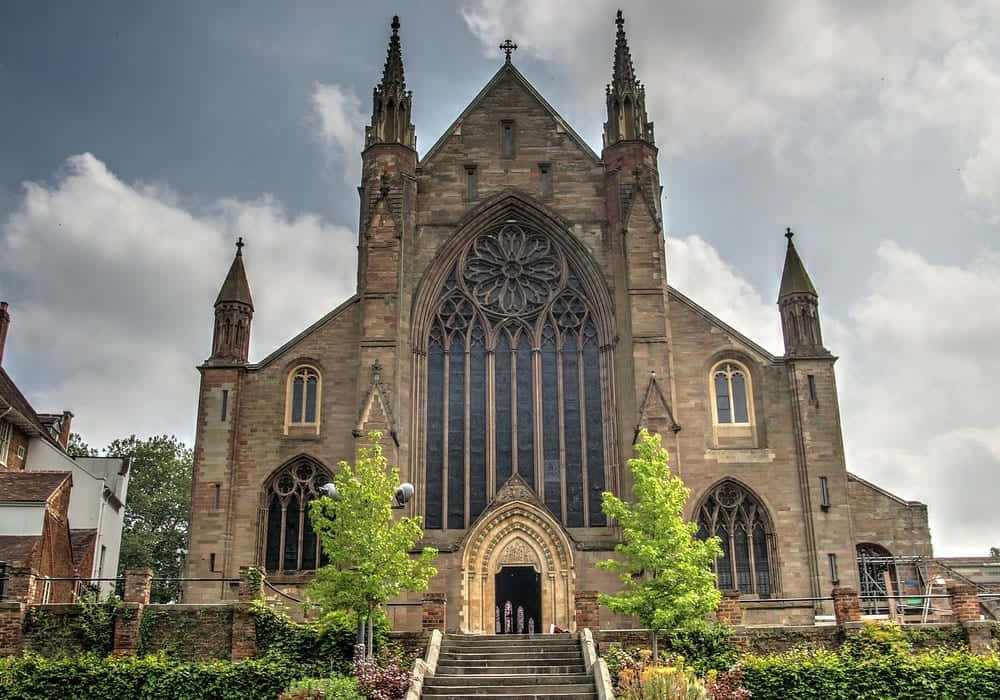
column 517, row 691
column 535, row 656
column 591, row 695
column 514, row 637
column 504, row 667
column 501, row 648
column 510, row 679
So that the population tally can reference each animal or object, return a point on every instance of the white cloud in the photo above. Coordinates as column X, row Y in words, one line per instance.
column 696, row 270
column 918, row 388
column 111, row 288
column 817, row 77
column 338, row 125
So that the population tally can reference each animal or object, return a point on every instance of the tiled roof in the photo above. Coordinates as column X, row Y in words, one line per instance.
column 32, row 487
column 16, row 549
column 13, row 397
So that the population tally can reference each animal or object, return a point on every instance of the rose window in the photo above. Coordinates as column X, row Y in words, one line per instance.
column 512, row 272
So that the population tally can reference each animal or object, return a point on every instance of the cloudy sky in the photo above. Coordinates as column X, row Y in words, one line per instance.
column 137, row 140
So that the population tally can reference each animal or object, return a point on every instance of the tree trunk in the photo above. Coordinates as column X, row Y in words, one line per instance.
column 371, row 635
column 656, row 649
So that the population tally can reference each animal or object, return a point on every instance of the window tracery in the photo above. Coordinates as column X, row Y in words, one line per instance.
column 737, row 517
column 514, row 382
column 291, row 543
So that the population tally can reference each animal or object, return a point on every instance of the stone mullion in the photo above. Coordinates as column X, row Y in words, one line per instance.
column 514, row 466
column 562, row 427
column 468, row 391
column 611, row 472
column 536, row 400
column 584, row 447
column 418, row 442
column 302, row 531
column 444, row 435
column 491, row 405
column 281, row 548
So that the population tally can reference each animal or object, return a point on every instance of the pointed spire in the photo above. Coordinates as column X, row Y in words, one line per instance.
column 236, row 288
column 798, row 304
column 392, row 73
column 391, row 100
column 626, row 97
column 794, row 278
column 623, row 76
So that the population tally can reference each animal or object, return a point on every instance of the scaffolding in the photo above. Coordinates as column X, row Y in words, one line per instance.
column 906, row 589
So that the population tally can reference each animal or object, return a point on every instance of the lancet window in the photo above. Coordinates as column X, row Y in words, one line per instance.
column 739, row 520
column 291, row 543
column 514, row 383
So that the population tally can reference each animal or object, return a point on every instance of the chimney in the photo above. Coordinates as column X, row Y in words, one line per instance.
column 4, row 324
column 67, row 420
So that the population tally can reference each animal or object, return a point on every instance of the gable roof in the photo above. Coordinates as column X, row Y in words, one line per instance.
column 508, row 69
column 30, row 487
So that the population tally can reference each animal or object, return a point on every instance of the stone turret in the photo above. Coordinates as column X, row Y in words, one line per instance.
column 233, row 314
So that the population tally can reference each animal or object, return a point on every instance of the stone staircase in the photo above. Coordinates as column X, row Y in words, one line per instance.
column 539, row 666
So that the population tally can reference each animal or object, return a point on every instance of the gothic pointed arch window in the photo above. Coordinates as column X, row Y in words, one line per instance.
column 515, row 382
column 303, row 399
column 290, row 543
column 737, row 517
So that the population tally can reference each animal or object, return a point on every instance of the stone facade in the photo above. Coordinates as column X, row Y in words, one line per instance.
column 511, row 163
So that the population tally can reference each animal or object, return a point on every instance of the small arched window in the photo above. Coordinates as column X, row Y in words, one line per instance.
column 302, row 405
column 738, row 519
column 291, row 543
column 730, row 393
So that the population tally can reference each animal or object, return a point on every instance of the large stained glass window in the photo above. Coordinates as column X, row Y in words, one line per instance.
column 290, row 542
column 514, row 383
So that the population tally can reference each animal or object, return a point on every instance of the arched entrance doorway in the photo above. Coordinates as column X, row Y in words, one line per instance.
column 516, row 553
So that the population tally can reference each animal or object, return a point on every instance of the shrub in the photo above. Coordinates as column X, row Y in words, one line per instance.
column 329, row 640
column 875, row 640
column 380, row 680
column 839, row 676
column 89, row 677
column 340, row 687
column 704, row 648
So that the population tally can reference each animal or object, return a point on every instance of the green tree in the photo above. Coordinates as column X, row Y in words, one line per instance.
column 367, row 546
column 157, row 508
column 665, row 568
column 78, row 448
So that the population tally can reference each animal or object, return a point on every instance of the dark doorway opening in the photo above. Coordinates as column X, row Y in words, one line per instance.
column 518, row 605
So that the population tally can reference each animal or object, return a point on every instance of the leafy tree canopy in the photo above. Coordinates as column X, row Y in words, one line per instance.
column 367, row 546
column 157, row 505
column 665, row 568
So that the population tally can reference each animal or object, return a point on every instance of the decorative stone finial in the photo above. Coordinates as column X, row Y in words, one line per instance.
column 788, row 234
column 239, row 245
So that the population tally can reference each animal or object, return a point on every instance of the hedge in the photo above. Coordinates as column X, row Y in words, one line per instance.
column 89, row 677
column 818, row 673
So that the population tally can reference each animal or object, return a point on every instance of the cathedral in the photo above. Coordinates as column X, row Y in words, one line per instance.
column 512, row 331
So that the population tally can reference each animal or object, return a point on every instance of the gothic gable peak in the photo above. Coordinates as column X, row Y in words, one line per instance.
column 508, row 72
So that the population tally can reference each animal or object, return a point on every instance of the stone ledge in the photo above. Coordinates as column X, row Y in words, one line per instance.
column 735, row 455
